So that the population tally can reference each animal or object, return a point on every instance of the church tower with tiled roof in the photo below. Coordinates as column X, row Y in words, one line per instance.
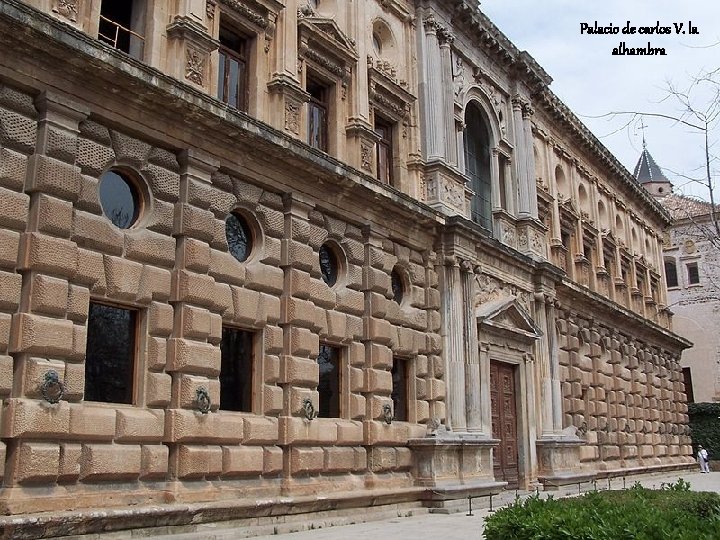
column 650, row 176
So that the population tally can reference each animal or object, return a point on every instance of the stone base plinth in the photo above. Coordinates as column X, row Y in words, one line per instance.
column 559, row 462
column 452, row 460
column 454, row 467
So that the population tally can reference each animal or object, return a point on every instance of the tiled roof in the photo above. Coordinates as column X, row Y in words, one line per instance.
column 683, row 207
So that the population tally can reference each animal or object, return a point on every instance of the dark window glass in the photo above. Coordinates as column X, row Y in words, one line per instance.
column 328, row 265
column 384, row 151
column 236, row 367
column 687, row 381
column 399, row 393
column 329, row 385
column 398, row 287
column 671, row 276
column 239, row 237
column 503, row 183
column 119, row 198
column 121, row 26
column 110, row 353
column 232, row 76
column 477, row 166
column 693, row 273
column 317, row 115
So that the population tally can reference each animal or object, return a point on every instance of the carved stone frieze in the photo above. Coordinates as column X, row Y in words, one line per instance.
column 259, row 15
column 322, row 43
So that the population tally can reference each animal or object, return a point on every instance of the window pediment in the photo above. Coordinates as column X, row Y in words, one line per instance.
column 387, row 93
column 257, row 16
column 322, row 42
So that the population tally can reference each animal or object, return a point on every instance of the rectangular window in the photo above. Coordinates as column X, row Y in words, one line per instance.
column 329, row 385
column 122, row 26
column 233, row 69
column 236, row 367
column 693, row 274
column 687, row 381
column 110, row 354
column 400, row 392
column 384, row 151
column 671, row 276
column 317, row 115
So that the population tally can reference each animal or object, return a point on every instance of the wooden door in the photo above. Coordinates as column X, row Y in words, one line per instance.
column 504, row 422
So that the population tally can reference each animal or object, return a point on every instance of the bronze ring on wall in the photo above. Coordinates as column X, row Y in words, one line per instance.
column 387, row 414
column 52, row 388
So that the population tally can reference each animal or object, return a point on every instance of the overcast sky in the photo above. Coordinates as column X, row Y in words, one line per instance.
column 593, row 82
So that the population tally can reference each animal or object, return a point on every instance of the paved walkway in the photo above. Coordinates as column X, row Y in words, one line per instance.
column 460, row 526
column 425, row 526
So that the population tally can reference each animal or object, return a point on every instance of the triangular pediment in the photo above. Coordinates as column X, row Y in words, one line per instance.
column 507, row 315
column 326, row 34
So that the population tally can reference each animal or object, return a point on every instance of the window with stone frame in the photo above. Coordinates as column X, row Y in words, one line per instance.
column 122, row 26
column 477, row 165
column 236, row 369
column 317, row 113
column 329, row 389
column 110, row 354
column 693, row 273
column 384, row 150
column 400, row 389
column 233, row 66
column 671, row 273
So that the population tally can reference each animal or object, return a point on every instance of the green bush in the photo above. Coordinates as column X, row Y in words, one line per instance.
column 705, row 427
column 670, row 513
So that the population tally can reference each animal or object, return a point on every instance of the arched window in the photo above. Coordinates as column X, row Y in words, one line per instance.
column 477, row 165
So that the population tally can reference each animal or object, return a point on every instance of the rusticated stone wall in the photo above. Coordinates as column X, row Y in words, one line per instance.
column 625, row 395
column 59, row 253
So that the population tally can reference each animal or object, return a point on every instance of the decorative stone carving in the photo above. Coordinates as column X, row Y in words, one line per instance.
column 66, row 8
column 210, row 6
column 194, row 66
column 366, row 157
column 458, row 76
column 292, row 116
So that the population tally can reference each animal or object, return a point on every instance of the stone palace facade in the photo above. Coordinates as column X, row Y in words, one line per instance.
column 349, row 251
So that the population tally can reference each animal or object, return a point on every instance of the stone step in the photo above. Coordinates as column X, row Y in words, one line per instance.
column 265, row 526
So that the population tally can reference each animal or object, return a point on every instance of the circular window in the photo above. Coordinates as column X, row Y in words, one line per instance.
column 239, row 237
column 120, row 198
column 398, row 286
column 328, row 265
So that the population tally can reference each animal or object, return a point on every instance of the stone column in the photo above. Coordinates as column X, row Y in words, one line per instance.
column 527, row 112
column 472, row 374
column 520, row 158
column 455, row 349
column 446, row 40
column 495, row 178
column 510, row 191
column 542, row 355
column 554, row 368
column 485, row 404
column 434, row 110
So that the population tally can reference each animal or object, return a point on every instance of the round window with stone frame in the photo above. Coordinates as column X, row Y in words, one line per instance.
column 239, row 235
column 398, row 285
column 330, row 264
column 120, row 196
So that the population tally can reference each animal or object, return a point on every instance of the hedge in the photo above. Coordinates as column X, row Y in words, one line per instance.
column 705, row 427
column 670, row 513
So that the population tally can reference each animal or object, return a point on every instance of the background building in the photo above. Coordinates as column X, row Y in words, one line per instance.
column 692, row 272
column 350, row 250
